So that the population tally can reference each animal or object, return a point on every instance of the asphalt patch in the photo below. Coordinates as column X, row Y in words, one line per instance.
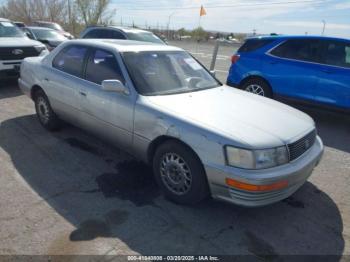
column 291, row 201
column 76, row 143
column 133, row 181
column 260, row 248
column 94, row 228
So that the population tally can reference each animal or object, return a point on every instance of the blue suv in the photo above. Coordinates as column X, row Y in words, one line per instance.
column 300, row 68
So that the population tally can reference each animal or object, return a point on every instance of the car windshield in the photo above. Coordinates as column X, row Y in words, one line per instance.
column 7, row 29
column 164, row 72
column 145, row 37
column 44, row 34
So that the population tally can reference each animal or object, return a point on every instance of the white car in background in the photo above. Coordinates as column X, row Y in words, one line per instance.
column 14, row 47
column 121, row 33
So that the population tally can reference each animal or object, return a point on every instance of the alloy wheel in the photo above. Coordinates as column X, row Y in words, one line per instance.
column 255, row 89
column 175, row 174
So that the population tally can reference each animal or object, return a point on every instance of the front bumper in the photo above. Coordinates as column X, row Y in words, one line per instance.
column 8, row 74
column 9, row 69
column 295, row 172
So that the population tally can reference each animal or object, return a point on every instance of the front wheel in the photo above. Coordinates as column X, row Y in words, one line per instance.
column 258, row 87
column 180, row 174
column 46, row 115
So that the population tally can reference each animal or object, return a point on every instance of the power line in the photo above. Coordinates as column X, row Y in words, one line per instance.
column 155, row 8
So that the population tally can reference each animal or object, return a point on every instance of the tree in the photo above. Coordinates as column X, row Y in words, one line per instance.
column 93, row 11
column 200, row 34
column 28, row 11
column 56, row 9
column 182, row 31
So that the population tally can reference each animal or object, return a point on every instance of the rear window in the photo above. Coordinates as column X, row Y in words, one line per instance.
column 254, row 44
column 337, row 53
column 104, row 34
column 145, row 37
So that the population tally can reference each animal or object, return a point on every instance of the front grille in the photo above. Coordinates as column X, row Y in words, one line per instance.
column 299, row 147
column 9, row 53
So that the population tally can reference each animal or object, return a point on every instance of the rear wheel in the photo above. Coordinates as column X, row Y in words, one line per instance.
column 45, row 114
column 257, row 86
column 179, row 173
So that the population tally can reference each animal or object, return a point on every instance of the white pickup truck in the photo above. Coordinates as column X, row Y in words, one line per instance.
column 14, row 47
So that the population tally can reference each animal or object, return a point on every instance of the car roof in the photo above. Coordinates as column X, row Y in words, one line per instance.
column 285, row 37
column 122, row 28
column 44, row 22
column 125, row 45
column 39, row 28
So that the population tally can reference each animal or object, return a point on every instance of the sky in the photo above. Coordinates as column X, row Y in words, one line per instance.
column 268, row 16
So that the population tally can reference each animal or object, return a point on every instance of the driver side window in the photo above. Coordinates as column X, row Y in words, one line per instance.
column 102, row 65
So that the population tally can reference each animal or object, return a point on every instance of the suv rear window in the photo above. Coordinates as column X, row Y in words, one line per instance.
column 254, row 44
column 104, row 34
column 337, row 53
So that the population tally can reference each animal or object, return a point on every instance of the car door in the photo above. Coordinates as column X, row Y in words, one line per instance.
column 292, row 68
column 108, row 114
column 334, row 78
column 63, row 80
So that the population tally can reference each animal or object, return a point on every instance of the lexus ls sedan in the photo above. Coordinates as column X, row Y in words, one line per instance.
column 159, row 104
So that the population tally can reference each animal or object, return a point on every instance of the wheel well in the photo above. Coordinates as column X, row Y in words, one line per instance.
column 161, row 140
column 35, row 89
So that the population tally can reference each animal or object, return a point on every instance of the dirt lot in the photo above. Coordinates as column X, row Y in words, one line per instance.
column 69, row 193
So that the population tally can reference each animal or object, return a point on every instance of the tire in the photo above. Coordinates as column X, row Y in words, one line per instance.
column 257, row 86
column 44, row 112
column 180, row 174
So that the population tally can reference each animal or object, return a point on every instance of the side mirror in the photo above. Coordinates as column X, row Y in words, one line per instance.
column 213, row 73
column 114, row 86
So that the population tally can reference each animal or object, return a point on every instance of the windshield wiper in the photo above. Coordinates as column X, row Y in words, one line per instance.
column 181, row 91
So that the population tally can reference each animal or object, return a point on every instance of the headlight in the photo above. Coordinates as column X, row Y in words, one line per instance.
column 256, row 159
column 40, row 48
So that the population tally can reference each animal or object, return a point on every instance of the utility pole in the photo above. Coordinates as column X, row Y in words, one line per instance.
column 168, row 27
column 70, row 17
column 324, row 26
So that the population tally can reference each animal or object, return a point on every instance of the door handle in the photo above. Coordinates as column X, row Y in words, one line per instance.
column 46, row 79
column 83, row 94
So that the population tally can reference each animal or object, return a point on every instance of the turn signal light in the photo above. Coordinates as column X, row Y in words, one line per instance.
column 256, row 188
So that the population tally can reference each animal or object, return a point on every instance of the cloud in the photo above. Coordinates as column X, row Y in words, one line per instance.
column 342, row 6
column 308, row 24
column 238, row 15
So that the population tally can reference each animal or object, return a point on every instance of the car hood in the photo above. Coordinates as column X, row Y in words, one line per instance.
column 54, row 42
column 17, row 42
column 248, row 119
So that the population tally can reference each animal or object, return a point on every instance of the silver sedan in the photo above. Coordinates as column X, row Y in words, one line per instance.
column 159, row 104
